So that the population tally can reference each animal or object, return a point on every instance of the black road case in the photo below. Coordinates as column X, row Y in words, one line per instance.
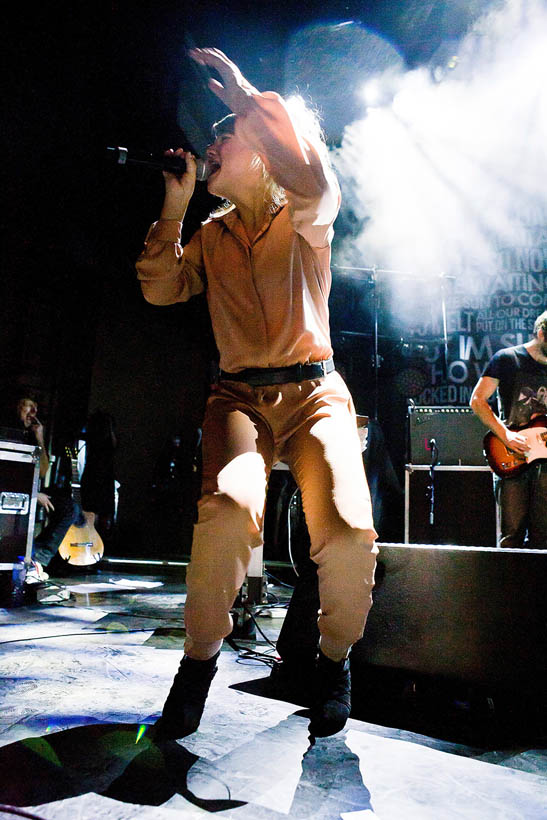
column 19, row 477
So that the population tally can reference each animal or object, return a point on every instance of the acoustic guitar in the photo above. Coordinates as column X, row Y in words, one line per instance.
column 505, row 462
column 82, row 545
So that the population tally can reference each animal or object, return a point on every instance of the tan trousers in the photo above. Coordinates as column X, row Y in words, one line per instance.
column 311, row 426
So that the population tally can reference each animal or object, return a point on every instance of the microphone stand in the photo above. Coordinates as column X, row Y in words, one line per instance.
column 442, row 279
column 434, row 461
column 370, row 275
column 375, row 301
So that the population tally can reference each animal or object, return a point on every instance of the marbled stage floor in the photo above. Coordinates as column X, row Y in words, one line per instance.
column 82, row 676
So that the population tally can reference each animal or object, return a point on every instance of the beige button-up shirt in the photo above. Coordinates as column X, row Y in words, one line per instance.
column 268, row 299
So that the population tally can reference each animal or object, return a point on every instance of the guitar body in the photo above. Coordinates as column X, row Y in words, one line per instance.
column 83, row 545
column 506, row 463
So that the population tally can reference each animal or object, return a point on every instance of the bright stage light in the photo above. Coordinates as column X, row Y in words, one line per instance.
column 371, row 92
column 380, row 89
column 452, row 171
column 330, row 63
column 445, row 60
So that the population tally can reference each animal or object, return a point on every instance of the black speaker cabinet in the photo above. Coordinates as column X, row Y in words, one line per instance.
column 469, row 613
column 464, row 509
column 457, row 431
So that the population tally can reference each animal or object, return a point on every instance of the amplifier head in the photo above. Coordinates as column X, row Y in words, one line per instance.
column 457, row 431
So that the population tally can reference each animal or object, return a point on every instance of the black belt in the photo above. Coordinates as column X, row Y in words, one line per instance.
column 262, row 376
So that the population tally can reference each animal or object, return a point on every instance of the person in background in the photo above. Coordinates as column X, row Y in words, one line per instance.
column 26, row 413
column 519, row 375
column 98, row 481
column 263, row 261
column 27, row 417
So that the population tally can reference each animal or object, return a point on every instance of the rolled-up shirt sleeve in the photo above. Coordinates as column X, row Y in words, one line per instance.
column 167, row 271
column 298, row 163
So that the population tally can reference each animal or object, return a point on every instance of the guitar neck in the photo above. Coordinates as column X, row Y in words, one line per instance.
column 75, row 482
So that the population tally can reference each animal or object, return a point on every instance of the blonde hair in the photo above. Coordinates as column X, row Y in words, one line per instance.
column 274, row 195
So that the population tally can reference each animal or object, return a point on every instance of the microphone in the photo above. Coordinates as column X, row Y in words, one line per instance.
column 171, row 163
column 432, row 444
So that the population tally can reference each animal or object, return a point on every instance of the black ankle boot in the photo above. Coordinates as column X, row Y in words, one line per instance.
column 185, row 702
column 332, row 698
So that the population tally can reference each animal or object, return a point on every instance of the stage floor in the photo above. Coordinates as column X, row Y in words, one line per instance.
column 81, row 676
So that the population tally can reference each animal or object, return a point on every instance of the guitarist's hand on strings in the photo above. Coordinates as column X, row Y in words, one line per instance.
column 516, row 442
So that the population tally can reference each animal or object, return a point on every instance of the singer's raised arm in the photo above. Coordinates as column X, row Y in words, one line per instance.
column 287, row 139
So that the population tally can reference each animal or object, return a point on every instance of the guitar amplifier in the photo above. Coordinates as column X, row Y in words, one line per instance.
column 457, row 431
column 19, row 476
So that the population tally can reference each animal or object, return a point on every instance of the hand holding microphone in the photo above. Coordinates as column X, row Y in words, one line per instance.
column 179, row 187
column 180, row 171
column 173, row 162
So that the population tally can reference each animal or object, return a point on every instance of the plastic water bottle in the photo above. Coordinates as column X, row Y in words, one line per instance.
column 18, row 576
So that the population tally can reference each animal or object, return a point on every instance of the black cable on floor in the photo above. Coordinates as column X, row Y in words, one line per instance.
column 252, row 655
column 253, row 619
column 244, row 653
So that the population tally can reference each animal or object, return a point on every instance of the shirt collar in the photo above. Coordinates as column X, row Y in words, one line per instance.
column 235, row 225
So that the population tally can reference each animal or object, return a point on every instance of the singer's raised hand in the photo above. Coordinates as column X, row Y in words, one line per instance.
column 178, row 187
column 235, row 90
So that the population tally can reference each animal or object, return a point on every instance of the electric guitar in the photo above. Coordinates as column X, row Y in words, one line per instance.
column 505, row 462
column 82, row 545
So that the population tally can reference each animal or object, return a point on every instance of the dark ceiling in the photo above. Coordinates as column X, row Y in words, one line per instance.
column 83, row 76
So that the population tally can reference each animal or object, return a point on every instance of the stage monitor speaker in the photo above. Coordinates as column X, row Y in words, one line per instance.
column 464, row 509
column 457, row 431
column 474, row 614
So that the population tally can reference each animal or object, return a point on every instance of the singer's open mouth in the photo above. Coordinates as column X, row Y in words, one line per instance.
column 213, row 167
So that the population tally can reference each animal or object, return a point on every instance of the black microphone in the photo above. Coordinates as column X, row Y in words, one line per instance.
column 432, row 444
column 171, row 163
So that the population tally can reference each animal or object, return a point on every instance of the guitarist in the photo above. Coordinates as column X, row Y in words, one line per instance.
column 519, row 374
